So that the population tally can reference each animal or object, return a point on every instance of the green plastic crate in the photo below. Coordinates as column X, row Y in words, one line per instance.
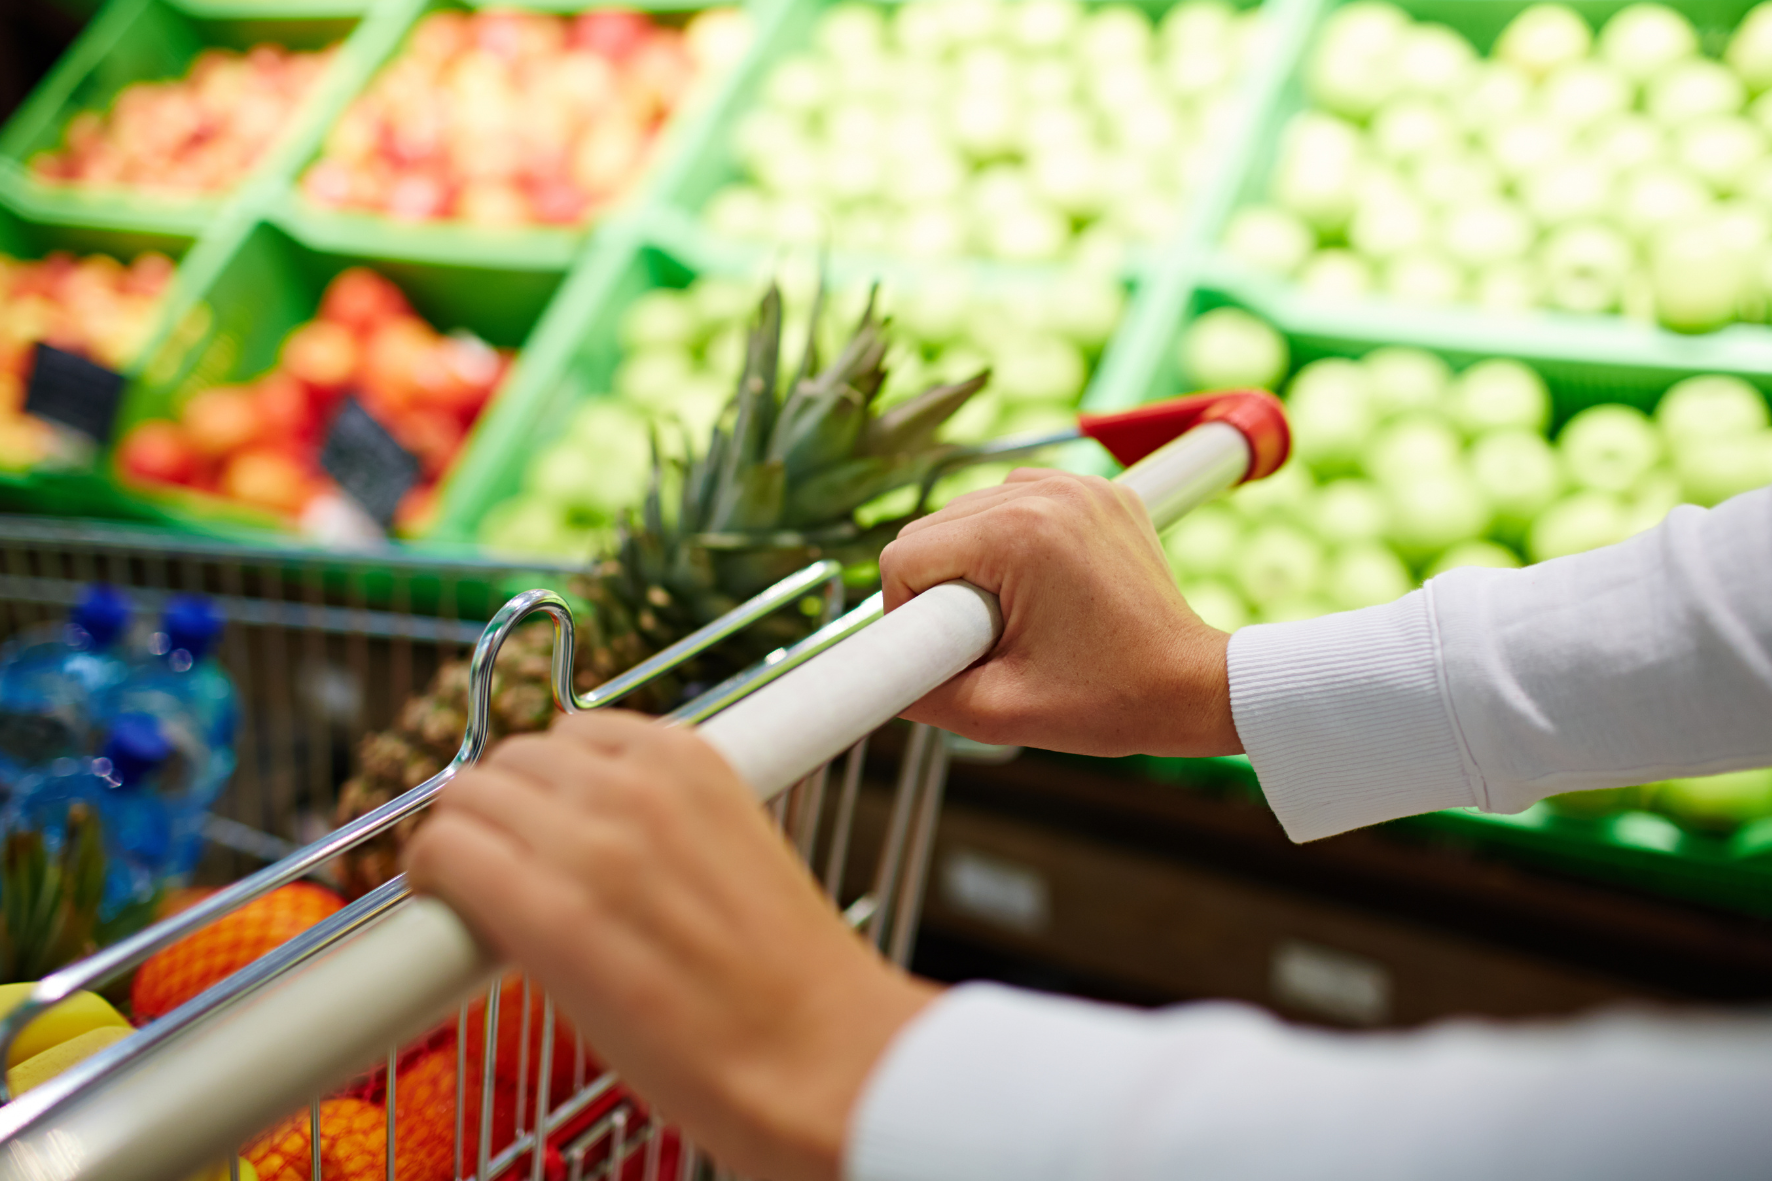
column 464, row 245
column 787, row 27
column 230, row 327
column 1596, row 340
column 22, row 236
column 144, row 40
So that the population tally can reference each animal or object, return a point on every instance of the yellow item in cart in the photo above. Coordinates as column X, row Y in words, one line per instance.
column 40, row 1068
column 80, row 1013
column 220, row 1172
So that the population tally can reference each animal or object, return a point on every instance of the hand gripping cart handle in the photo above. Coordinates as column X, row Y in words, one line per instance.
column 190, row 1088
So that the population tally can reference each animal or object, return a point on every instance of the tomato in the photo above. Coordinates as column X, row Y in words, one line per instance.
column 360, row 299
column 321, row 353
column 613, row 32
column 222, row 420
column 268, row 477
column 158, row 451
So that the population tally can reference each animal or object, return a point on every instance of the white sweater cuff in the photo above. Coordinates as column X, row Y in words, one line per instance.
column 1345, row 718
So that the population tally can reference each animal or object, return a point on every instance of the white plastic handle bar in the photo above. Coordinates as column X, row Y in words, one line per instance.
column 201, row 1095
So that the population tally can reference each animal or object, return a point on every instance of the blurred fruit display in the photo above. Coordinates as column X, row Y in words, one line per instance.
column 95, row 306
column 1617, row 170
column 1403, row 468
column 190, row 136
column 683, row 350
column 258, row 443
column 502, row 117
column 1029, row 131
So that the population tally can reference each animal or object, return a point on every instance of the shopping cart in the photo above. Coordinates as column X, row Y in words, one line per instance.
column 191, row 1087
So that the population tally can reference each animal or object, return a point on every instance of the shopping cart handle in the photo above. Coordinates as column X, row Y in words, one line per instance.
column 1131, row 435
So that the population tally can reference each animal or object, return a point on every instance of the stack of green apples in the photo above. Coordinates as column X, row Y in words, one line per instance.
column 1618, row 172
column 1025, row 130
column 1403, row 468
column 683, row 349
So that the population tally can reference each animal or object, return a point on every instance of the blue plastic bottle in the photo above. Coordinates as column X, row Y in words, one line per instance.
column 54, row 681
column 181, row 665
column 145, row 822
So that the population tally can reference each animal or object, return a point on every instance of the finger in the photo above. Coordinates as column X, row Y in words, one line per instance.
column 508, row 898
column 522, row 807
column 950, row 550
column 1029, row 475
column 964, row 505
column 613, row 731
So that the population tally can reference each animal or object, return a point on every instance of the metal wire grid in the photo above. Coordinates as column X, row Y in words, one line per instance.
column 321, row 645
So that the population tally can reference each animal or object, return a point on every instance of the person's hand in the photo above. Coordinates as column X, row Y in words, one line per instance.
column 1100, row 655
column 625, row 866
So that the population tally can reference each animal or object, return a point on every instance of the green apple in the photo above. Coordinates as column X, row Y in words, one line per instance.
column 1508, row 286
column 1036, row 418
column 1352, row 68
column 1593, row 805
column 1717, row 802
column 1349, row 511
column 652, row 376
column 1336, row 276
column 1205, row 540
column 1403, row 379
column 1278, row 562
column 1365, row 575
column 1487, row 231
column 1041, row 368
column 528, row 526
column 1525, row 144
column 1517, row 471
column 1580, row 94
column 1424, row 278
column 1578, row 186
column 1269, row 239
column 1318, row 169
column 1453, row 174
column 1497, row 394
column 1656, row 195
column 1543, row 37
column 1580, row 522
column 1331, row 409
column 1498, row 92
column 1409, row 125
column 1435, row 509
column 1627, row 141
column 1719, row 150
column 1700, row 277
column 1227, row 347
column 1692, row 89
column 1286, row 495
column 1419, row 444
column 1434, row 60
column 1216, row 604
column 1710, row 407
column 661, row 319
column 1586, row 265
column 1608, row 448
column 1486, row 554
column 1713, row 470
column 1750, row 48
column 1085, row 305
column 1296, row 609
column 1648, row 504
column 1643, row 40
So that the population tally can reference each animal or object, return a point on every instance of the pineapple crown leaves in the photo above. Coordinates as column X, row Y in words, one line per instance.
column 795, row 465
column 50, row 905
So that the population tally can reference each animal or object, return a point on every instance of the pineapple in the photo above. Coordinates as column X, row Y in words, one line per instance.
column 776, row 487
column 49, row 905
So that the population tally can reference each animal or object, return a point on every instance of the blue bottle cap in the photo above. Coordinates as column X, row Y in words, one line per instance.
column 102, row 612
column 136, row 747
column 191, row 623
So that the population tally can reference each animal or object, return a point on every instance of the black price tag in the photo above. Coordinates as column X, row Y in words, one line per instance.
column 75, row 392
column 368, row 463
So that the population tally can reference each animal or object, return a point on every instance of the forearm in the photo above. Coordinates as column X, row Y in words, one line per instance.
column 990, row 1083
column 1493, row 688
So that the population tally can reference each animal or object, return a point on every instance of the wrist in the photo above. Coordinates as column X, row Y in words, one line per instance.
column 1193, row 696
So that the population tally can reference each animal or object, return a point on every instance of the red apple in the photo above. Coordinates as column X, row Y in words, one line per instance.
column 418, row 196
column 222, row 420
column 361, row 300
column 158, row 451
column 433, row 436
column 322, row 353
column 613, row 32
column 286, row 408
column 269, row 478
column 395, row 360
